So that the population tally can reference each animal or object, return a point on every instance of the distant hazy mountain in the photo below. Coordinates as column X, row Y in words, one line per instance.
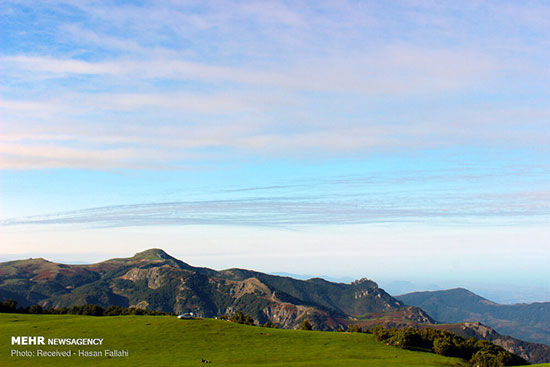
column 404, row 286
column 153, row 279
column 530, row 322
column 306, row 277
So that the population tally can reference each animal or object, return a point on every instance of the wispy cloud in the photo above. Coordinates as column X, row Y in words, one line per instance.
column 388, row 70
column 437, row 198
column 267, row 78
column 163, row 129
column 296, row 212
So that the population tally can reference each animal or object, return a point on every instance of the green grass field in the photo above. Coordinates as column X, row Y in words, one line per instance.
column 168, row 341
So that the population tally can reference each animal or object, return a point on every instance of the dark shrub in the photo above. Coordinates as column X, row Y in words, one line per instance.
column 306, row 325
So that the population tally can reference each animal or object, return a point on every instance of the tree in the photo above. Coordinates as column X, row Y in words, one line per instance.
column 241, row 318
column 381, row 334
column 306, row 325
column 269, row 324
column 443, row 346
column 37, row 309
column 9, row 305
column 92, row 310
column 354, row 329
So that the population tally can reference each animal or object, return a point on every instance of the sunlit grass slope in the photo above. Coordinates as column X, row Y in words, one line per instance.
column 168, row 341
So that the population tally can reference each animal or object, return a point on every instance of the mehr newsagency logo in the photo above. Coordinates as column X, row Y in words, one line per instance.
column 28, row 340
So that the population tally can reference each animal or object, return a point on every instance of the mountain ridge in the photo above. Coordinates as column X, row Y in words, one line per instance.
column 154, row 279
column 525, row 321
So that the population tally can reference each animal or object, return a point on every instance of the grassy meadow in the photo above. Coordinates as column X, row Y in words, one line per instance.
column 168, row 341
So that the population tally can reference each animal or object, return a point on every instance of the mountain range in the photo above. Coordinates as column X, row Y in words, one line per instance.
column 154, row 280
column 529, row 322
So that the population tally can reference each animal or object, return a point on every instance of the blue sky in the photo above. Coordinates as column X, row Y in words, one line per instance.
column 393, row 140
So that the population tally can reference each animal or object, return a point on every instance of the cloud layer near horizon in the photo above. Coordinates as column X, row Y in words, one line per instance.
column 437, row 199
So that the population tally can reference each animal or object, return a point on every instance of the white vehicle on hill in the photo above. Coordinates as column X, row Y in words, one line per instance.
column 187, row 315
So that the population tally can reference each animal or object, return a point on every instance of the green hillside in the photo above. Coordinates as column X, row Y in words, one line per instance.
column 168, row 341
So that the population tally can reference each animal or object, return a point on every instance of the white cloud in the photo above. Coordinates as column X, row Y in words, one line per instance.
column 391, row 70
column 273, row 79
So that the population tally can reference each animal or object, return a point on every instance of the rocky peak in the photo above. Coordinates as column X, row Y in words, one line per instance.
column 484, row 331
column 365, row 282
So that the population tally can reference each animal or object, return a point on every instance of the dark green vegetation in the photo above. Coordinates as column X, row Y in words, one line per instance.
column 306, row 325
column 241, row 318
column 167, row 341
column 10, row 306
column 530, row 322
column 156, row 281
column 532, row 352
column 480, row 353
